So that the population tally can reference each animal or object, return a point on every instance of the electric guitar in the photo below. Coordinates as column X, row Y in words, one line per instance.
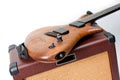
column 53, row 43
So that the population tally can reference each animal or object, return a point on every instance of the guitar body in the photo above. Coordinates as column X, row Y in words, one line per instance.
column 44, row 48
column 37, row 43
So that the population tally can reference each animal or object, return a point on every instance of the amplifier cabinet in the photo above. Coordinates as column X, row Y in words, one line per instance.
column 93, row 58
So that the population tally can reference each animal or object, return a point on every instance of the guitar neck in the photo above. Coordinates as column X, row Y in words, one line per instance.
column 96, row 16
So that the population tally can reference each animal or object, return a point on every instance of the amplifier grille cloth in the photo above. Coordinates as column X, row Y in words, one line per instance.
column 96, row 67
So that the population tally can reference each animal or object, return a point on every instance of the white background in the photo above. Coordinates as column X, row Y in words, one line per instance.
column 19, row 17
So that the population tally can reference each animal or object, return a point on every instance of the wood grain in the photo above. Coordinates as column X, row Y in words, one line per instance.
column 38, row 43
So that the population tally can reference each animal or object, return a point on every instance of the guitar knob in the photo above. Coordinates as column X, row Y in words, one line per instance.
column 59, row 38
column 60, row 55
column 52, row 46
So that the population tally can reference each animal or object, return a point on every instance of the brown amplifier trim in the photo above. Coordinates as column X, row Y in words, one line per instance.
column 113, row 63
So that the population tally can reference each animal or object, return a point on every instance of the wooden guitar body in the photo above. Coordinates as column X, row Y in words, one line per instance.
column 45, row 48
column 38, row 44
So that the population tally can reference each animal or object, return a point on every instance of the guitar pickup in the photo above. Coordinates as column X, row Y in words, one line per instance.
column 60, row 31
column 53, row 34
